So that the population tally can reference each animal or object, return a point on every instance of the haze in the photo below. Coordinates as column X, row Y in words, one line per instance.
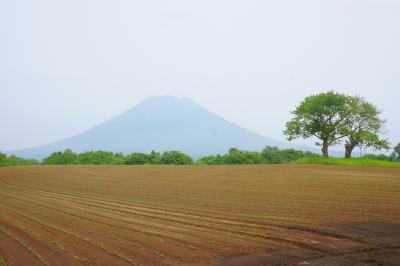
column 66, row 66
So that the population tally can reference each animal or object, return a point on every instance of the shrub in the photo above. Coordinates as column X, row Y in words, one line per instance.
column 175, row 157
column 14, row 160
column 137, row 158
column 58, row 157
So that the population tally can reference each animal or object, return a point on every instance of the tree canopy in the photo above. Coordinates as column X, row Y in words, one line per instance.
column 175, row 157
column 332, row 116
column 269, row 155
column 396, row 152
column 3, row 158
column 322, row 116
column 364, row 127
column 15, row 161
column 58, row 157
column 137, row 158
column 109, row 158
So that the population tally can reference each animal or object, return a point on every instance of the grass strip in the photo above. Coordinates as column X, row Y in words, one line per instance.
column 360, row 162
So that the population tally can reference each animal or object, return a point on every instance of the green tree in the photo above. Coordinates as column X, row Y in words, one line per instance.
column 363, row 127
column 212, row 159
column 58, row 157
column 96, row 157
column 53, row 158
column 236, row 156
column 137, row 158
column 118, row 158
column 321, row 116
column 291, row 155
column 396, row 152
column 272, row 155
column 15, row 161
column 381, row 157
column 3, row 159
column 154, row 157
column 175, row 157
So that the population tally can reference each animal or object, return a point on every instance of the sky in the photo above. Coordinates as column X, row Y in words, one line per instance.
column 66, row 66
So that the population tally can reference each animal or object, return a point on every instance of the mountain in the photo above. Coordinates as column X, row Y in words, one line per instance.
column 161, row 123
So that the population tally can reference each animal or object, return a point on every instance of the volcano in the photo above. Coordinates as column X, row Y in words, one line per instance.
column 161, row 123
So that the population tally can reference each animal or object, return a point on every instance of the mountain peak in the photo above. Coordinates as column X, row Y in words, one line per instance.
column 160, row 104
column 167, row 99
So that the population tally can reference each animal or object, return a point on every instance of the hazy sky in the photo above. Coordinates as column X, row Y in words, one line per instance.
column 68, row 65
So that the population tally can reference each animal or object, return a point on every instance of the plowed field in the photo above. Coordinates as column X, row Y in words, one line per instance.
column 199, row 215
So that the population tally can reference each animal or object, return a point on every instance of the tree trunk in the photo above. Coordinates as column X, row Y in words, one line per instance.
column 348, row 150
column 325, row 150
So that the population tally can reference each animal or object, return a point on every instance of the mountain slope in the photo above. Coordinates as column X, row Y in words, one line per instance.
column 161, row 123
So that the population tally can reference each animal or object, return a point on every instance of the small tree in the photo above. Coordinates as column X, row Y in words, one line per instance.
column 236, row 156
column 396, row 152
column 3, row 159
column 154, row 157
column 118, row 159
column 137, row 158
column 211, row 160
column 58, row 157
column 175, row 157
column 364, row 127
column 14, row 160
column 321, row 116
column 272, row 155
column 98, row 157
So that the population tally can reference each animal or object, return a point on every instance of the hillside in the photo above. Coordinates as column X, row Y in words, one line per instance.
column 161, row 123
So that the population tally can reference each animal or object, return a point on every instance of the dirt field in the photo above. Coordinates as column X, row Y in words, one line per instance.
column 199, row 215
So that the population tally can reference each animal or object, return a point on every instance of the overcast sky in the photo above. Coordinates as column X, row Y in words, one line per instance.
column 66, row 66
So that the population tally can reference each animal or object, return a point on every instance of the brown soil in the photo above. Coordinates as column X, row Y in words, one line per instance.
column 199, row 215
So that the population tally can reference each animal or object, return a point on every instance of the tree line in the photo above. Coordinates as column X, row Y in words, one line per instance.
column 14, row 160
column 269, row 155
column 110, row 158
column 334, row 118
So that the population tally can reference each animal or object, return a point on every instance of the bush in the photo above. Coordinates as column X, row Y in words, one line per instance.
column 175, row 157
column 272, row 155
column 58, row 157
column 3, row 158
column 108, row 158
column 211, row 160
column 15, row 161
column 269, row 155
column 137, row 158
column 236, row 156
column 381, row 157
column 154, row 157
column 99, row 157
